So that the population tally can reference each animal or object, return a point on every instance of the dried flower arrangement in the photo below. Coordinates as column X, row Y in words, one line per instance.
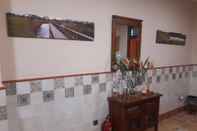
column 132, row 72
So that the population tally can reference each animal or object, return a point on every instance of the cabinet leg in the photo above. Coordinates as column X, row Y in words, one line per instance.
column 156, row 127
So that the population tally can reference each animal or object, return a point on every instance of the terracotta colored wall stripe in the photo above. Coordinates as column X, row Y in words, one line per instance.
column 75, row 75
column 52, row 77
column 2, row 88
column 161, row 67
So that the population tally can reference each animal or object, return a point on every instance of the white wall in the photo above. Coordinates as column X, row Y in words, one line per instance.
column 6, row 47
column 193, row 88
column 194, row 38
column 36, row 57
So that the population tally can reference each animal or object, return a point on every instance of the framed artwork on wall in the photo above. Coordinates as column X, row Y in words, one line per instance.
column 34, row 26
column 170, row 38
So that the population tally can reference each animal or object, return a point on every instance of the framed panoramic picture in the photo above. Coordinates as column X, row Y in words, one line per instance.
column 33, row 26
column 170, row 38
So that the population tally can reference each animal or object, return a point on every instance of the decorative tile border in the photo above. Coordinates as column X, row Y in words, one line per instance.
column 36, row 86
column 48, row 87
column 59, row 83
column 69, row 92
column 23, row 100
column 3, row 106
column 10, row 89
column 48, row 90
column 3, row 113
column 87, row 89
column 48, row 96
column 102, row 87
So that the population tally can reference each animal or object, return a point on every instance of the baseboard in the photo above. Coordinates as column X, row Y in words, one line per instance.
column 171, row 113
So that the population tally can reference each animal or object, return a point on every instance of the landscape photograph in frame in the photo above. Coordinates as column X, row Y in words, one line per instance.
column 170, row 38
column 33, row 26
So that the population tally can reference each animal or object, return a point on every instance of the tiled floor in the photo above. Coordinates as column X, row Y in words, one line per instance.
column 181, row 122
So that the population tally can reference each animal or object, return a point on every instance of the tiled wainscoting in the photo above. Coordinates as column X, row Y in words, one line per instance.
column 3, row 111
column 73, row 103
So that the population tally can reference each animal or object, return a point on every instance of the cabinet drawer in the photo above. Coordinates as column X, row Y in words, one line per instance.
column 135, row 111
column 151, row 106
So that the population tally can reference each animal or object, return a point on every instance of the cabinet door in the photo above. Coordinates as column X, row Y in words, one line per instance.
column 151, row 113
column 136, row 119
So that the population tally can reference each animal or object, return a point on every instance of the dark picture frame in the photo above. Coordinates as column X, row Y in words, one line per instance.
column 170, row 38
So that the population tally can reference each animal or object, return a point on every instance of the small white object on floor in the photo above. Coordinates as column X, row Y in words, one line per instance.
column 181, row 129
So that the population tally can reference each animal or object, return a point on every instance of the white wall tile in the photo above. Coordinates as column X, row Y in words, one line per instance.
column 87, row 80
column 2, row 98
column 37, row 98
column 31, row 124
column 60, row 94
column 23, row 88
column 102, row 78
column 25, row 112
column 69, row 82
column 47, row 85
column 79, row 91
column 13, row 120
column 4, row 125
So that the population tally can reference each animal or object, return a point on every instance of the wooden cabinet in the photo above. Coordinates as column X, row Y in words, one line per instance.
column 134, row 113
